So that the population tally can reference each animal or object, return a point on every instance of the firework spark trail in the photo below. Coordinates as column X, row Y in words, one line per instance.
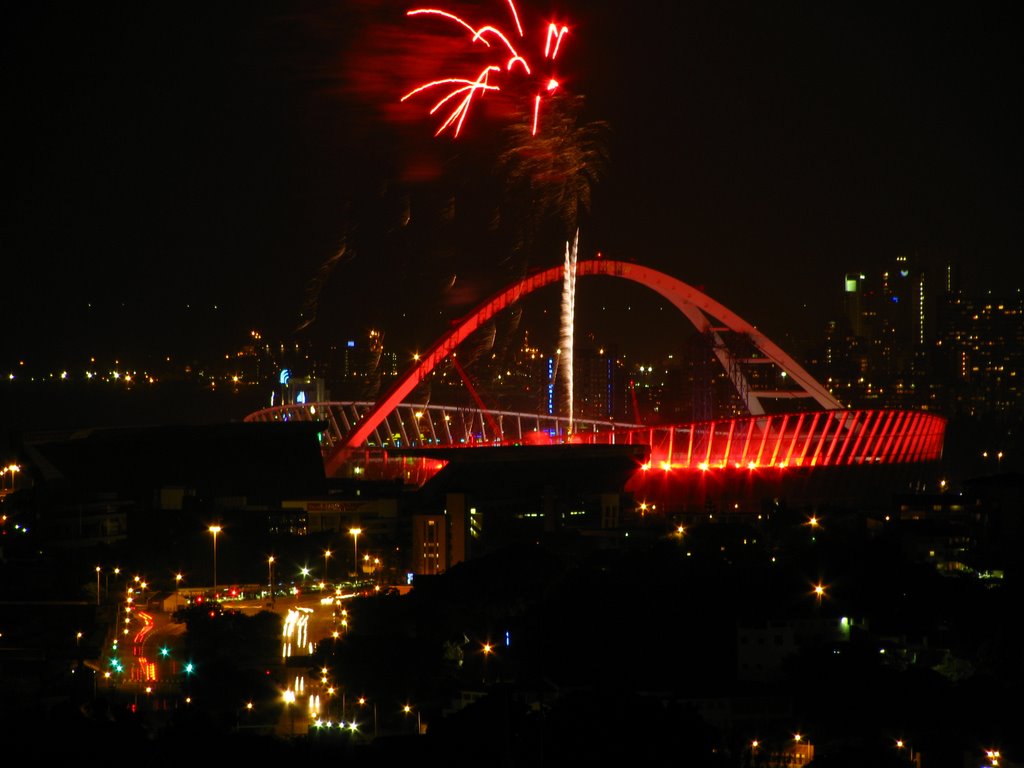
column 568, row 322
column 311, row 307
column 467, row 89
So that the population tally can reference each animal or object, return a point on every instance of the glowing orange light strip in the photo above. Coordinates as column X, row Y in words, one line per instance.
column 936, row 441
column 933, row 444
column 923, row 444
column 796, row 435
column 766, row 427
column 821, row 441
column 807, row 443
column 917, row 450
column 728, row 442
column 905, row 438
column 835, row 437
column 887, row 451
column 873, row 453
column 872, row 419
column 746, row 443
column 849, row 439
column 711, row 439
column 778, row 440
column 911, row 433
column 917, row 438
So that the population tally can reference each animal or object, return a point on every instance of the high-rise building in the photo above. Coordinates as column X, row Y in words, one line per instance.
column 853, row 303
column 980, row 351
column 907, row 339
column 878, row 354
column 595, row 384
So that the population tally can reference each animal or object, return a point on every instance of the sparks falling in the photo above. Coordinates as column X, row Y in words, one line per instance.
column 569, row 322
column 505, row 61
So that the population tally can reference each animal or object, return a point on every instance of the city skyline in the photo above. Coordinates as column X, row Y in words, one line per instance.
column 298, row 457
column 211, row 159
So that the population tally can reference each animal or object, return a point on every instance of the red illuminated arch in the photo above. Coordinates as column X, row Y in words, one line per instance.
column 699, row 308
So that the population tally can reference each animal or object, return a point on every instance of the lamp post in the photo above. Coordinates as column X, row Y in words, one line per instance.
column 215, row 529
column 270, row 577
column 901, row 745
column 408, row 710
column 327, row 554
column 355, row 549
column 999, row 459
column 486, row 649
column 362, row 703
column 12, row 470
column 289, row 701
column 97, row 585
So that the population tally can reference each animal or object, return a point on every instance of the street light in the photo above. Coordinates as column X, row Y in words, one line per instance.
column 999, row 459
column 289, row 701
column 97, row 585
column 355, row 549
column 911, row 755
column 373, row 564
column 11, row 469
column 362, row 703
column 270, row 577
column 408, row 710
column 487, row 650
column 327, row 554
column 819, row 592
column 215, row 529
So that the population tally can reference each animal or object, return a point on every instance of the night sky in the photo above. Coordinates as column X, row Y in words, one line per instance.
column 177, row 174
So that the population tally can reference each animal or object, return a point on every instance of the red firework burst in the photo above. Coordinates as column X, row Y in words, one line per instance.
column 459, row 93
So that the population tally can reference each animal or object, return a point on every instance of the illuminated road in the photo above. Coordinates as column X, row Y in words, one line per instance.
column 149, row 636
column 142, row 668
column 307, row 619
column 145, row 658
